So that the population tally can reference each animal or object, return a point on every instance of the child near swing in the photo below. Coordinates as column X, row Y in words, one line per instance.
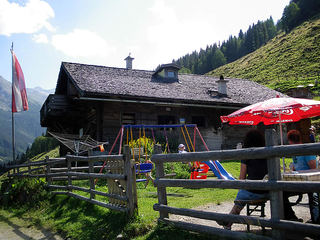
column 182, row 149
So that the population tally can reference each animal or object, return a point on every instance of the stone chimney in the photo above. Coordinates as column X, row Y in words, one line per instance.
column 222, row 86
column 129, row 60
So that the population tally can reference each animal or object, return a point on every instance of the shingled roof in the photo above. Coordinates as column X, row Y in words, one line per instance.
column 109, row 82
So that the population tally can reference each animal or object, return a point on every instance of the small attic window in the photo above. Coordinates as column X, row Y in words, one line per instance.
column 167, row 72
column 171, row 74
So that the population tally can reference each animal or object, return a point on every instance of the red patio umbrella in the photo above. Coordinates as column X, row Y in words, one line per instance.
column 274, row 111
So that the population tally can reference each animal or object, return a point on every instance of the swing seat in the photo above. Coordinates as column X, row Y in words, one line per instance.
column 195, row 175
column 141, row 180
column 143, row 168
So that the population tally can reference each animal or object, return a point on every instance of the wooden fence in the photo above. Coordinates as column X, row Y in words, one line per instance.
column 274, row 185
column 119, row 173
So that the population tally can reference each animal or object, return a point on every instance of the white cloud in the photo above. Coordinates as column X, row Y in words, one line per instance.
column 40, row 38
column 171, row 35
column 81, row 43
column 29, row 18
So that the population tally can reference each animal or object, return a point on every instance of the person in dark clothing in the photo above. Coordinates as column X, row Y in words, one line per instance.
column 301, row 163
column 312, row 135
column 252, row 169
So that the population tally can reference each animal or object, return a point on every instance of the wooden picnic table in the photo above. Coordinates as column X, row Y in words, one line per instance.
column 303, row 175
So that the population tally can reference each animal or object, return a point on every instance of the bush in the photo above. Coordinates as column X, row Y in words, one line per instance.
column 182, row 170
column 22, row 191
column 145, row 143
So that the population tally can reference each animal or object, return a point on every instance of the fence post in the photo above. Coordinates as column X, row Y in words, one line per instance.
column 130, row 180
column 91, row 179
column 69, row 171
column 161, row 191
column 29, row 167
column 49, row 179
column 274, row 174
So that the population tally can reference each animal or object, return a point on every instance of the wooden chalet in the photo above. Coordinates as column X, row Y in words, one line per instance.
column 99, row 99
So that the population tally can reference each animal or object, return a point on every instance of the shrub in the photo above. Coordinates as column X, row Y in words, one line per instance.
column 182, row 170
column 22, row 191
column 143, row 142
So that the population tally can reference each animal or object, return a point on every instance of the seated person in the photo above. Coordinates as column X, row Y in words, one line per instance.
column 301, row 163
column 252, row 169
column 312, row 135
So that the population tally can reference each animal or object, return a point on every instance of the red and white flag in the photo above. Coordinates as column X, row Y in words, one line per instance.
column 19, row 91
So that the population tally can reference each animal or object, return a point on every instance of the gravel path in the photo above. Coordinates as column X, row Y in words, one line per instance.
column 301, row 210
column 19, row 229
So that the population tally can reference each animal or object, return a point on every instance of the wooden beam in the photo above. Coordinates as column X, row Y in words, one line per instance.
column 38, row 163
column 292, row 186
column 130, row 185
column 239, row 154
column 122, row 198
column 96, row 202
column 100, row 158
column 97, row 175
column 161, row 190
column 224, row 234
column 274, row 174
column 91, row 180
column 307, row 229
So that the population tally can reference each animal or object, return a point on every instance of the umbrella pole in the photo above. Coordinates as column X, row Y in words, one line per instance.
column 281, row 139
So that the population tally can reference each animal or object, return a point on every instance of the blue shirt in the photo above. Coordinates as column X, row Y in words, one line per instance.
column 301, row 162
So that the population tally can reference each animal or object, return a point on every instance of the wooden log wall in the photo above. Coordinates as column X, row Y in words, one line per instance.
column 147, row 114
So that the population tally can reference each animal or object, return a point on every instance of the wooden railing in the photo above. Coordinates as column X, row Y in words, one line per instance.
column 119, row 174
column 274, row 185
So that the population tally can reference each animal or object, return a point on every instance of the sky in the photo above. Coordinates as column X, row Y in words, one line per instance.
column 45, row 33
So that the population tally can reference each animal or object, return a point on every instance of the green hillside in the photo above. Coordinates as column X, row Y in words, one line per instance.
column 286, row 61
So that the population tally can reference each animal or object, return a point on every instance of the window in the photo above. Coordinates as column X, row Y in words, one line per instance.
column 128, row 118
column 199, row 120
column 171, row 74
column 166, row 119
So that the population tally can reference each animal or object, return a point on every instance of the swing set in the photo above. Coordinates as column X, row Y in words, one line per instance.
column 199, row 170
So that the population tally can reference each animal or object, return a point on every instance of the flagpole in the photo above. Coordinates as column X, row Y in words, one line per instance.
column 13, row 140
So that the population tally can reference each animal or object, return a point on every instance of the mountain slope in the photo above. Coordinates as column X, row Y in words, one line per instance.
column 286, row 58
column 27, row 123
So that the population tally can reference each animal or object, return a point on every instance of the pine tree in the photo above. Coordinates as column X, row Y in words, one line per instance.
column 290, row 16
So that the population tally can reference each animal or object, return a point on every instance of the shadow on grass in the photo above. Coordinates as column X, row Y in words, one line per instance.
column 82, row 220
column 168, row 232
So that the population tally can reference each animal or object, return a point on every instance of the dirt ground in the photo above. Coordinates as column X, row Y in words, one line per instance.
column 301, row 210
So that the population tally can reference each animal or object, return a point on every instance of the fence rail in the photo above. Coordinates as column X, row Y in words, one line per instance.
column 119, row 174
column 273, row 184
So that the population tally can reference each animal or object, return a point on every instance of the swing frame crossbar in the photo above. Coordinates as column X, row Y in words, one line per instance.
column 159, row 126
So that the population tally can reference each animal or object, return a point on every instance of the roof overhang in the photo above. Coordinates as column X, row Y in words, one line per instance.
column 163, row 103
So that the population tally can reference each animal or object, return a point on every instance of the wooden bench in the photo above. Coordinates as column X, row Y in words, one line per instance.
column 255, row 206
